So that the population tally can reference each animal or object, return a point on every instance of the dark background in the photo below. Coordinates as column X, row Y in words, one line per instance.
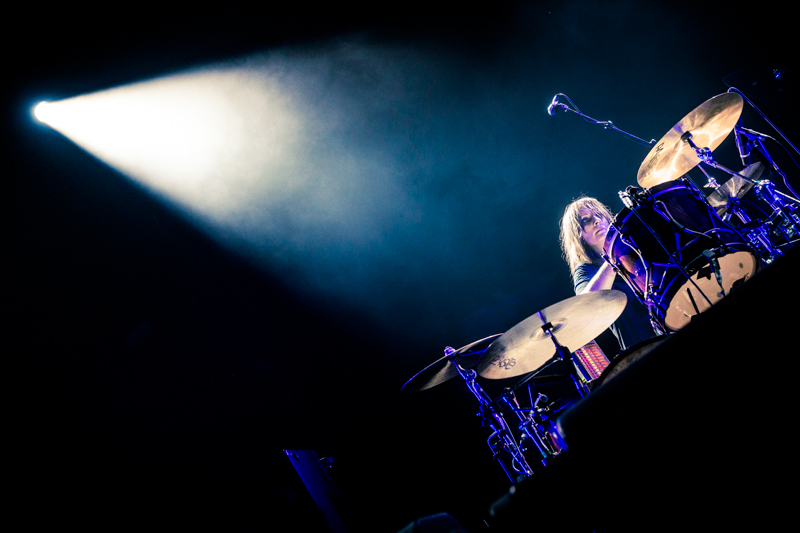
column 148, row 367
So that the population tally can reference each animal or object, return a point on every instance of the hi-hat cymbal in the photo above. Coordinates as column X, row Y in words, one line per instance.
column 735, row 188
column 709, row 124
column 444, row 368
column 575, row 321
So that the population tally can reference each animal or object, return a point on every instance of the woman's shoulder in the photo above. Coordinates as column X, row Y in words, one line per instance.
column 584, row 268
column 582, row 274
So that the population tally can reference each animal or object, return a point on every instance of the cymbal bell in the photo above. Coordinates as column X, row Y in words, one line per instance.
column 709, row 124
column 573, row 322
column 443, row 369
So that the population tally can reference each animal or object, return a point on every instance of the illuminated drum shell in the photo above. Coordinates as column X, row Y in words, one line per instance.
column 650, row 252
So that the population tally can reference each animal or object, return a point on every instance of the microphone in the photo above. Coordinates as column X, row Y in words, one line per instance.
column 551, row 109
column 712, row 258
column 743, row 156
column 626, row 198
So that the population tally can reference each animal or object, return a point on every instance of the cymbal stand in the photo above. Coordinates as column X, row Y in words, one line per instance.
column 501, row 440
column 577, row 373
column 534, row 425
column 765, row 189
column 757, row 236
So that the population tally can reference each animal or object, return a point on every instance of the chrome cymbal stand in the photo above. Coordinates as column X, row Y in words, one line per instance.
column 779, row 202
column 501, row 441
column 536, row 425
column 758, row 236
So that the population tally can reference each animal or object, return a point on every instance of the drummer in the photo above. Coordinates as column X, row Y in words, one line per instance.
column 583, row 232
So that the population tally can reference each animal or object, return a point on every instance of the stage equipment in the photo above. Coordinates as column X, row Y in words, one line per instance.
column 544, row 342
column 541, row 342
column 676, row 154
column 549, row 336
column 761, row 234
column 607, row 124
column 505, row 449
column 670, row 239
column 674, row 251
column 300, row 492
column 691, row 142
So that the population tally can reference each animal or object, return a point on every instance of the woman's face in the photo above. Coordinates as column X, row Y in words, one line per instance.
column 593, row 229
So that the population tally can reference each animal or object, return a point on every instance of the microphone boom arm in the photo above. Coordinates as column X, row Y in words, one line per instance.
column 606, row 124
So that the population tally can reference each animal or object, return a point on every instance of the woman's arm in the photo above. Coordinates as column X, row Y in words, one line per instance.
column 602, row 280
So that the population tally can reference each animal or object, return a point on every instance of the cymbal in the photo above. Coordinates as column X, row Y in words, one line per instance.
column 443, row 369
column 734, row 188
column 527, row 347
column 709, row 124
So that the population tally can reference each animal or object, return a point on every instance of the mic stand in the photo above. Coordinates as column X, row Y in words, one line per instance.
column 746, row 99
column 606, row 124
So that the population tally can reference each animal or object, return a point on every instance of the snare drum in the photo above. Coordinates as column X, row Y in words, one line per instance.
column 674, row 250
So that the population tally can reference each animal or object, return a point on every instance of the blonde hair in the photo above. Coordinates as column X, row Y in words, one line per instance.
column 574, row 249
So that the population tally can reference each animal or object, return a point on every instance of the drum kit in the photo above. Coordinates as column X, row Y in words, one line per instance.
column 680, row 252
column 546, row 341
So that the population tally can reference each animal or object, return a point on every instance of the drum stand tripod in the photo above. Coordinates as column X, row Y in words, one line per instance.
column 535, row 425
column 501, row 441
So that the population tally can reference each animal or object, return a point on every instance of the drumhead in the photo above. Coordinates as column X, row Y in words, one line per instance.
column 735, row 268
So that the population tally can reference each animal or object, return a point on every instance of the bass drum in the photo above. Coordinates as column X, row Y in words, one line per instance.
column 676, row 253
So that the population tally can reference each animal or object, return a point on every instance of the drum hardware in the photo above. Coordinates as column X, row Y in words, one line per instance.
column 784, row 220
column 668, row 241
column 449, row 366
column 540, row 342
column 459, row 363
column 501, row 441
column 607, row 124
column 727, row 200
column 535, row 424
column 761, row 149
column 765, row 190
column 712, row 121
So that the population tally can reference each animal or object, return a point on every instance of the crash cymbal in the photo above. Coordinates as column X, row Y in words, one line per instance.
column 709, row 124
column 735, row 188
column 444, row 369
column 527, row 346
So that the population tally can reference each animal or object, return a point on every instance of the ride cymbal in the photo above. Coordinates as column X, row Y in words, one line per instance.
column 573, row 322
